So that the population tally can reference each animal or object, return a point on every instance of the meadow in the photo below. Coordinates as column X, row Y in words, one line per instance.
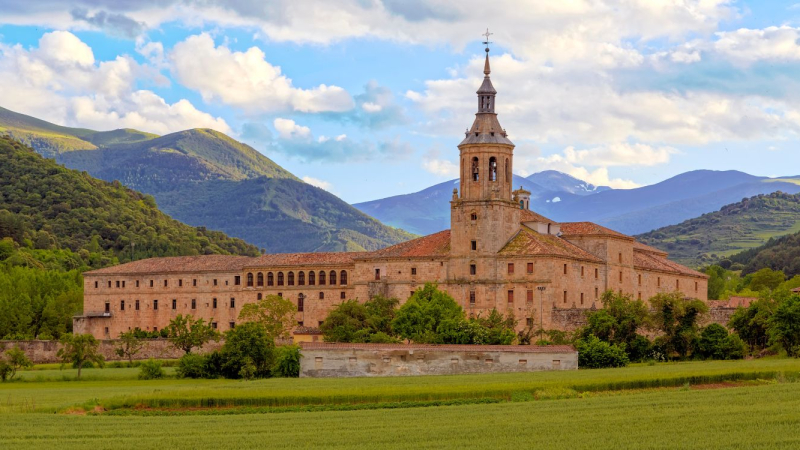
column 665, row 405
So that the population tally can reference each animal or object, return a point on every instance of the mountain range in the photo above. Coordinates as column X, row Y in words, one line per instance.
column 565, row 199
column 204, row 178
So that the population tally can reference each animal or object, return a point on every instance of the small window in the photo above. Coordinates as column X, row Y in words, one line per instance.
column 581, row 298
column 117, row 284
column 471, row 297
column 620, row 276
column 249, row 280
column 108, row 307
column 259, row 296
column 511, row 268
column 214, row 325
column 473, row 216
column 214, row 303
column 180, row 283
column 290, row 279
column 342, row 295
column 122, row 305
column 322, row 296
column 640, row 296
column 260, row 279
column 511, row 296
column 166, row 283
column 151, row 283
column 95, row 284
column 695, row 286
column 413, row 271
column 299, row 323
column 596, row 292
column 581, row 271
column 343, row 278
column 320, row 323
column 280, row 278
column 106, row 330
column 137, row 283
column 474, row 245
column 565, row 296
column 301, row 278
column 529, row 297
column 109, row 283
column 377, row 276
column 232, row 325
column 677, row 284
column 215, row 281
column 237, row 280
column 332, row 278
column 233, row 302
column 155, row 304
column 640, row 279
column 311, row 278
column 174, row 303
column 530, row 267
column 620, row 258
column 658, row 282
column 280, row 294
column 473, row 269
column 270, row 279
column 136, row 305
column 565, row 269
column 596, row 273
column 123, row 283
column 301, row 303
column 529, row 322
column 194, row 304
column 194, row 282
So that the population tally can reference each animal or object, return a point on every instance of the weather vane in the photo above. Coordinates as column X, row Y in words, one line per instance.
column 487, row 42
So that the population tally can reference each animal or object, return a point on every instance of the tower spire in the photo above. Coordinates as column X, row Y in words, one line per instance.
column 486, row 69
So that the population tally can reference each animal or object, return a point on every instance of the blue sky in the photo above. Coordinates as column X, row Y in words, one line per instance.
column 369, row 98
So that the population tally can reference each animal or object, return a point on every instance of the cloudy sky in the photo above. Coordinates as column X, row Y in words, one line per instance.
column 369, row 98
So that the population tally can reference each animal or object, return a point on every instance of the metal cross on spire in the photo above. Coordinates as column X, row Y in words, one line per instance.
column 487, row 42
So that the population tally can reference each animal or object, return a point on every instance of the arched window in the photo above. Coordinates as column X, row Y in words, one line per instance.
column 301, row 278
column 260, row 279
column 332, row 278
column 280, row 278
column 343, row 277
column 311, row 276
column 300, row 302
column 249, row 280
column 321, row 278
column 259, row 297
column 290, row 279
column 270, row 279
column 492, row 169
column 475, row 169
column 508, row 174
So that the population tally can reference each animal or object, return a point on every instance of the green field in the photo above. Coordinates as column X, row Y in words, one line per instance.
column 609, row 408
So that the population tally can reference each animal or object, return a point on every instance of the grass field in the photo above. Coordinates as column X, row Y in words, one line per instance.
column 761, row 415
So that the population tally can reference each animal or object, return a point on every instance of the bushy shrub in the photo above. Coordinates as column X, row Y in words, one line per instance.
column 192, row 365
column 594, row 354
column 151, row 370
column 639, row 348
column 246, row 344
column 287, row 362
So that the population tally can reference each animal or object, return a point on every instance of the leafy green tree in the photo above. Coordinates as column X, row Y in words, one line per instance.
column 15, row 359
column 752, row 323
column 716, row 343
column 766, row 278
column 421, row 317
column 618, row 322
column 784, row 326
column 287, row 362
column 677, row 319
column 499, row 329
column 716, row 281
column 351, row 321
column 249, row 351
column 380, row 313
column 128, row 345
column 186, row 333
column 274, row 313
column 594, row 353
column 78, row 349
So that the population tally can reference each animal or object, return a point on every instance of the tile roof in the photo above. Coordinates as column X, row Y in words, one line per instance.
column 430, row 347
column 797, row 289
column 589, row 229
column 530, row 216
column 638, row 246
column 437, row 244
column 178, row 264
column 529, row 242
column 652, row 261
column 305, row 259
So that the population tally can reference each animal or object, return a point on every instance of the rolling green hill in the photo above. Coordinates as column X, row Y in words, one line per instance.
column 747, row 224
column 204, row 178
column 782, row 253
column 86, row 222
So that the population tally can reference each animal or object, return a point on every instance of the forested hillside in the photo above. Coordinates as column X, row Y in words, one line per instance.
column 746, row 224
column 56, row 223
column 781, row 253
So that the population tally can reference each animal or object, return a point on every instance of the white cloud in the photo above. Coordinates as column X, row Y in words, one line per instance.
column 61, row 81
column 619, row 154
column 288, row 129
column 318, row 183
column 434, row 163
column 745, row 46
column 246, row 80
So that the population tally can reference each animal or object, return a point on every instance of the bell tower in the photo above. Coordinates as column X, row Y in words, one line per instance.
column 484, row 215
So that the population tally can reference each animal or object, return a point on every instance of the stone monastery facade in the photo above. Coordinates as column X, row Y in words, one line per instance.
column 497, row 254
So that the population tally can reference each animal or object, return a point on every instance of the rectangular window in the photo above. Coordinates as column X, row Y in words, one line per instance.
column 180, row 283
column 194, row 282
column 620, row 276
column 342, row 295
column 301, row 303
column 677, row 284
column 215, row 281
column 214, row 303
column 155, row 304
column 529, row 297
column 136, row 305
column 596, row 292
column 194, row 304
column 529, row 322
column 377, row 276
column 109, row 283
column 137, row 283
column 151, row 283
column 95, row 284
column 510, row 268
column 474, row 245
column 320, row 322
column 214, row 325
column 106, row 330
column 299, row 323
column 565, row 269
column 581, row 298
column 581, row 271
column 596, row 273
column 280, row 294
column 473, row 269
column 565, row 296
column 695, row 286
column 123, row 284
column 174, row 303
column 640, row 296
column 322, row 296
column 165, row 283
column 232, row 325
column 237, row 280
column 233, row 302
column 413, row 271
column 108, row 307
column 117, row 284
column 530, row 267
column 640, row 279
column 658, row 282
column 471, row 297
column 122, row 305
column 620, row 258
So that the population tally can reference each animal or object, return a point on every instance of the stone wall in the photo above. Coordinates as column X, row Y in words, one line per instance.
column 45, row 351
column 380, row 360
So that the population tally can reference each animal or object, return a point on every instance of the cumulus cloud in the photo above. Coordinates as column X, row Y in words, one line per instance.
column 61, row 81
column 246, row 80
column 435, row 163
column 318, row 183
column 288, row 129
column 115, row 24
column 375, row 109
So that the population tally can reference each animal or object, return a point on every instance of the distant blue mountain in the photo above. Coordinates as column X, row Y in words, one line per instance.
column 564, row 198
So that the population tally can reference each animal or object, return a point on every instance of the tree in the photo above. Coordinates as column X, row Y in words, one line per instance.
column 677, row 319
column 129, row 345
column 499, row 330
column 15, row 359
column 287, row 362
column 595, row 354
column 617, row 323
column 274, row 313
column 784, row 326
column 766, row 278
column 248, row 352
column 186, row 333
column 752, row 323
column 78, row 349
column 716, row 343
column 421, row 317
column 716, row 281
column 351, row 321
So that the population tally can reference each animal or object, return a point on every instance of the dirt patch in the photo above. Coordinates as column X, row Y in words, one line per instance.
column 75, row 412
